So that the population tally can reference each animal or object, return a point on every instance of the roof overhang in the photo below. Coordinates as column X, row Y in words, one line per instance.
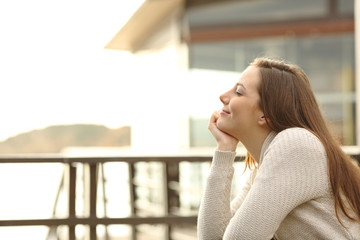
column 141, row 25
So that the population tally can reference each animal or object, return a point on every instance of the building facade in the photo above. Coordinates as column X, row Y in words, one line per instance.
column 190, row 51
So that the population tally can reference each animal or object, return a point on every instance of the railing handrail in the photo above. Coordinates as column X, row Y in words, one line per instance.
column 128, row 159
column 132, row 157
column 91, row 221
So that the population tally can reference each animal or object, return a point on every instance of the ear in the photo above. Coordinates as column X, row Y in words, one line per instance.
column 262, row 121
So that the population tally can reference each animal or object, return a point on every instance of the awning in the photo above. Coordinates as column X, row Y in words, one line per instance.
column 141, row 25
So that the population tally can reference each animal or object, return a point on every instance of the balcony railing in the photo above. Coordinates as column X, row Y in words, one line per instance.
column 93, row 169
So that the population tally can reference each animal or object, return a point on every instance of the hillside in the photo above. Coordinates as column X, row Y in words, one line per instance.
column 54, row 138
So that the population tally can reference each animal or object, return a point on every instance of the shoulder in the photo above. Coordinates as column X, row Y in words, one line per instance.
column 297, row 137
column 295, row 162
column 297, row 143
column 296, row 134
column 298, row 153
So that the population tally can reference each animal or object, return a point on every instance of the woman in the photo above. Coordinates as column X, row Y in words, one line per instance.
column 303, row 185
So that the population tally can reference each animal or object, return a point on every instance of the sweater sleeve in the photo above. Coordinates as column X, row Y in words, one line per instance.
column 293, row 171
column 215, row 212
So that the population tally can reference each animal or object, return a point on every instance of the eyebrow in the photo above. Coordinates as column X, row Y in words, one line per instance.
column 241, row 85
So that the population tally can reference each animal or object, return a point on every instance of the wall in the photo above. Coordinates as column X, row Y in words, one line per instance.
column 160, row 120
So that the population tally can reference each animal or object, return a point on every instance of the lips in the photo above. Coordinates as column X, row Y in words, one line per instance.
column 224, row 112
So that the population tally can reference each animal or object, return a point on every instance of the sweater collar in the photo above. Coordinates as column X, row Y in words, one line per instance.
column 266, row 144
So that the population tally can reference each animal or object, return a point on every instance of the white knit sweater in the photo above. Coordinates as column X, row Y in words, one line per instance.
column 287, row 197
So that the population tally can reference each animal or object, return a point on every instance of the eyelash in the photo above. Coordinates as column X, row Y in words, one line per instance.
column 238, row 93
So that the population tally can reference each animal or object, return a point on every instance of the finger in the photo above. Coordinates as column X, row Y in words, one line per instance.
column 213, row 119
column 215, row 116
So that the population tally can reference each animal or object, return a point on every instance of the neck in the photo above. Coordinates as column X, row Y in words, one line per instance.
column 254, row 142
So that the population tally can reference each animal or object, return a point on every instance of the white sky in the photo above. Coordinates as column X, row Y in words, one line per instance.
column 53, row 65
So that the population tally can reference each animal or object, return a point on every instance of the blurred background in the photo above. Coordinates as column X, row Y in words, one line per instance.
column 138, row 80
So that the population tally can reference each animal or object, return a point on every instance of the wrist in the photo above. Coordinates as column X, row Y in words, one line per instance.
column 226, row 147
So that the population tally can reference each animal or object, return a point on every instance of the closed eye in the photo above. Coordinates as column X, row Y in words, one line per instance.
column 238, row 93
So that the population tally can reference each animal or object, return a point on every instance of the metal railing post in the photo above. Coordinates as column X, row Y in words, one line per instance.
column 72, row 199
column 132, row 193
column 171, row 197
column 93, row 199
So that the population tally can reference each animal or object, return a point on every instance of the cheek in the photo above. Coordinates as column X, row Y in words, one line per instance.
column 220, row 123
column 227, row 125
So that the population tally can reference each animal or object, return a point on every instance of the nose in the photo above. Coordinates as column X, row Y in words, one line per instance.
column 224, row 98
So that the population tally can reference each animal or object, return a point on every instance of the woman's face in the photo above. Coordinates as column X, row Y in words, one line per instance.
column 241, row 112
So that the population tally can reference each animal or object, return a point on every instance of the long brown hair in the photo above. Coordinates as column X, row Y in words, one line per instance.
column 287, row 101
